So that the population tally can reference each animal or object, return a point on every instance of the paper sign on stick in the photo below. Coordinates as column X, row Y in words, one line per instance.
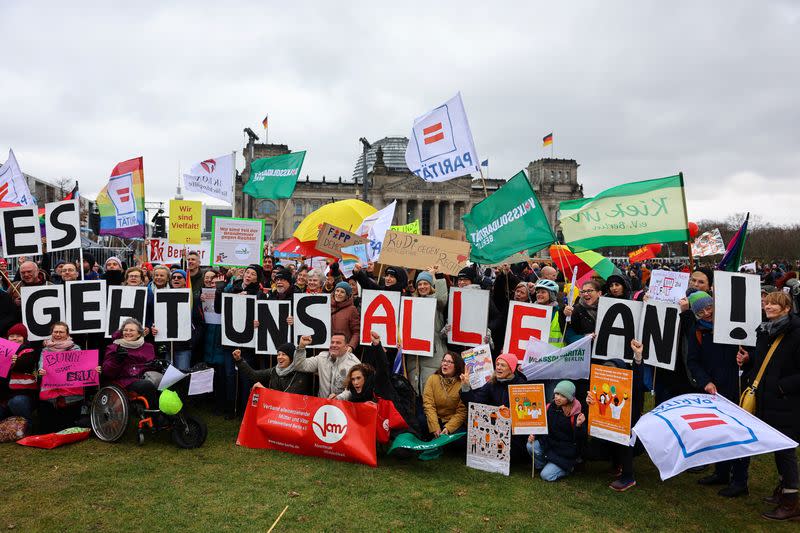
column 125, row 302
column 737, row 308
column 76, row 368
column 616, row 326
column 172, row 314
column 238, row 314
column 468, row 316
column 525, row 321
column 86, row 306
column 668, row 286
column 418, row 316
column 610, row 415
column 273, row 329
column 422, row 252
column 201, row 382
column 41, row 306
column 331, row 239
column 62, row 225
column 7, row 351
column 185, row 221
column 528, row 409
column 20, row 231
column 658, row 332
column 312, row 317
column 380, row 311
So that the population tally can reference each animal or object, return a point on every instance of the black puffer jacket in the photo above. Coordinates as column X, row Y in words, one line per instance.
column 778, row 394
column 565, row 438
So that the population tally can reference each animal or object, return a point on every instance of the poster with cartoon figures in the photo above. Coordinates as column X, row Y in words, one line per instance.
column 489, row 438
column 479, row 366
column 528, row 409
column 610, row 414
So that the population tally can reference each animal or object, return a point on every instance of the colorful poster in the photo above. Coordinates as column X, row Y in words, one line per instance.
column 478, row 365
column 332, row 239
column 185, row 221
column 351, row 255
column 422, row 252
column 7, row 351
column 668, row 286
column 121, row 202
column 610, row 414
column 161, row 251
column 207, row 297
column 237, row 241
column 307, row 425
column 708, row 243
column 489, row 438
column 528, row 409
column 76, row 368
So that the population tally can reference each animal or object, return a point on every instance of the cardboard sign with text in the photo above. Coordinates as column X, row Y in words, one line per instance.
column 331, row 239
column 454, row 234
column 422, row 252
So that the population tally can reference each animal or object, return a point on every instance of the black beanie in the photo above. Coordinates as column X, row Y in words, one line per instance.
column 288, row 349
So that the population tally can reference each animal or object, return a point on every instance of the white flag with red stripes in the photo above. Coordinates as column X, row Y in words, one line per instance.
column 13, row 187
column 441, row 146
column 699, row 429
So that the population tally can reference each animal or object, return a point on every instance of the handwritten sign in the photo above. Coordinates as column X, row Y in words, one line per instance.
column 454, row 234
column 76, row 368
column 331, row 239
column 7, row 351
column 422, row 252
column 411, row 227
column 668, row 286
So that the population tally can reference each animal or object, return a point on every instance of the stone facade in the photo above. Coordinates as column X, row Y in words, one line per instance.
column 436, row 205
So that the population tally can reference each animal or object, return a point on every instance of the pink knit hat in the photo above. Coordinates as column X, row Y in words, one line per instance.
column 510, row 359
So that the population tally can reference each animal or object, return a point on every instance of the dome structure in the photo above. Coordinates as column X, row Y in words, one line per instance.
column 394, row 156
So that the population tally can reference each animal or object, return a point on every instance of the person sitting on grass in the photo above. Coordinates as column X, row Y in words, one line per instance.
column 23, row 389
column 126, row 359
column 445, row 413
column 283, row 376
column 556, row 453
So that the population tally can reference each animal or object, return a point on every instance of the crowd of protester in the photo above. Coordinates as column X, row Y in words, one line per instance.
column 433, row 393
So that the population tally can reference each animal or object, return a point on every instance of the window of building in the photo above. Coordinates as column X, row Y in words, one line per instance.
column 298, row 207
column 267, row 207
column 267, row 231
column 315, row 205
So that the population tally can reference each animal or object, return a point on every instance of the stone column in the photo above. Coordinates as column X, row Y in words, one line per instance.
column 418, row 211
column 435, row 217
column 450, row 215
column 400, row 212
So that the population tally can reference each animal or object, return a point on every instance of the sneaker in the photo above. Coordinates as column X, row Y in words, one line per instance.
column 713, row 479
column 733, row 491
column 622, row 485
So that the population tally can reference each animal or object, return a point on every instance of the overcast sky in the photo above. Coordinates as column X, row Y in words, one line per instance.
column 631, row 90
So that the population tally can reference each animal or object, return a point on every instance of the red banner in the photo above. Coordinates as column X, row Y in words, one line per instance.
column 307, row 425
column 642, row 254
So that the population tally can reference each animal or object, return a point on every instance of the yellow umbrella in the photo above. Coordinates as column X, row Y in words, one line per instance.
column 346, row 214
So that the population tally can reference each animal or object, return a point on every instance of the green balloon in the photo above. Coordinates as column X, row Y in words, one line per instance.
column 169, row 402
column 613, row 390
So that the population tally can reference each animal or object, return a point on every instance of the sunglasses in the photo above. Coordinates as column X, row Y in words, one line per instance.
column 177, row 277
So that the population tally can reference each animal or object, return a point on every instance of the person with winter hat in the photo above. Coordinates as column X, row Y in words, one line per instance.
column 345, row 316
column 394, row 278
column 113, row 263
column 556, row 453
column 23, row 387
column 617, row 286
column 282, row 377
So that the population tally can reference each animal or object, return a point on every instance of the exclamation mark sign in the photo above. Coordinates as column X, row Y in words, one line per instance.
column 738, row 305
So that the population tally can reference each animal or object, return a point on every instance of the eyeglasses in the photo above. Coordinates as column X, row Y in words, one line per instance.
column 177, row 277
column 588, row 291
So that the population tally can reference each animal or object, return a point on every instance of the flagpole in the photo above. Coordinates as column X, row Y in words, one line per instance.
column 80, row 249
column 686, row 216
column 233, row 183
column 483, row 181
column 280, row 218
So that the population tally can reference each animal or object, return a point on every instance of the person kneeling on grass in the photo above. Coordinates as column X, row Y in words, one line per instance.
column 556, row 453
column 283, row 376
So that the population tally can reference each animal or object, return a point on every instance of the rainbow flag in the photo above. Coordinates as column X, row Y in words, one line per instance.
column 121, row 202
column 547, row 140
column 733, row 254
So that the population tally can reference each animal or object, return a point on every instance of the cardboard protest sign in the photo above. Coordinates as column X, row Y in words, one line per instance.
column 422, row 252
column 161, row 251
column 7, row 351
column 379, row 312
column 658, row 332
column 737, row 307
column 489, row 438
column 525, row 321
column 418, row 316
column 185, row 221
column 62, row 225
column 41, row 306
column 273, row 328
column 545, row 361
column 237, row 241
column 76, row 368
column 307, row 425
column 331, row 239
column 610, row 415
column 528, row 409
column 238, row 314
column 207, row 297
column 86, row 306
column 135, row 306
column 172, row 314
column 20, row 231
column 468, row 316
column 478, row 365
column 668, row 286
column 616, row 326
column 454, row 234
column 312, row 317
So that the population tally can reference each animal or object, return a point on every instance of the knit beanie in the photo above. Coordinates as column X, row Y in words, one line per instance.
column 180, row 271
column 699, row 300
column 18, row 329
column 283, row 274
column 467, row 273
column 510, row 359
column 566, row 389
column 287, row 348
column 345, row 287
column 424, row 276
column 112, row 259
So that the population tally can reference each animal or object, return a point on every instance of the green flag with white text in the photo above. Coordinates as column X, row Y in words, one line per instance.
column 642, row 212
column 510, row 220
column 274, row 177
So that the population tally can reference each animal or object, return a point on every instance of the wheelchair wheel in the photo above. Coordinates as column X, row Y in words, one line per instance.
column 189, row 431
column 110, row 413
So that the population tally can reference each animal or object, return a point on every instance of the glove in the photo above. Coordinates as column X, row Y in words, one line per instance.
column 121, row 353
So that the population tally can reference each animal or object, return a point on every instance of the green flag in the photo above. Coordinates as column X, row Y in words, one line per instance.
column 643, row 212
column 510, row 220
column 274, row 177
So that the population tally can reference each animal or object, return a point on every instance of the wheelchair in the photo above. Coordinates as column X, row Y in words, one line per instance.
column 113, row 408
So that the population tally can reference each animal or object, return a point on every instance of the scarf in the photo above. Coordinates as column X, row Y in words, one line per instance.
column 773, row 327
column 591, row 310
column 705, row 324
column 58, row 346
column 130, row 345
column 285, row 371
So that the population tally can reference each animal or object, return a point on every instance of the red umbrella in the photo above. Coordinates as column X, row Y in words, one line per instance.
column 296, row 247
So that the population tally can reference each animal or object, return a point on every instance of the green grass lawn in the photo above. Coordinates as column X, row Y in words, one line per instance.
column 99, row 487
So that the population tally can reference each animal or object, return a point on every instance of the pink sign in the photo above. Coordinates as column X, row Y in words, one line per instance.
column 7, row 351
column 77, row 368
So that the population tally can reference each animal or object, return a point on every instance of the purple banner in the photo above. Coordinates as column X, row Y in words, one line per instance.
column 76, row 368
column 7, row 351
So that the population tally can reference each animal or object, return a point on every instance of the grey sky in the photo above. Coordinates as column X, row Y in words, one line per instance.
column 632, row 90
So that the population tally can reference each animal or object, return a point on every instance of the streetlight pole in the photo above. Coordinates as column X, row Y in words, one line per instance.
column 366, row 146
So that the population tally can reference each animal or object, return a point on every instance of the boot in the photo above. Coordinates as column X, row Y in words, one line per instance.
column 775, row 499
column 788, row 509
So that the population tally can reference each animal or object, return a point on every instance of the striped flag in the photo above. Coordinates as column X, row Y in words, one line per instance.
column 547, row 140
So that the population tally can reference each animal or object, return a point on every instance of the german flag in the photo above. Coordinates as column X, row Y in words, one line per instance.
column 265, row 122
column 547, row 140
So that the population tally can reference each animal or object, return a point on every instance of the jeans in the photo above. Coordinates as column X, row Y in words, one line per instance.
column 21, row 405
column 735, row 470
column 182, row 359
column 786, row 462
column 549, row 471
